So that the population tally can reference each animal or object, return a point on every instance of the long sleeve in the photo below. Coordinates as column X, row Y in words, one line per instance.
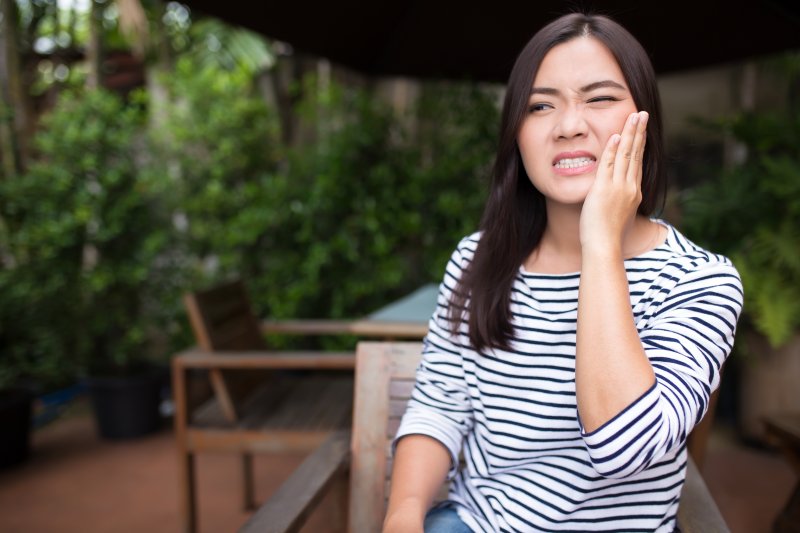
column 440, row 404
column 687, row 341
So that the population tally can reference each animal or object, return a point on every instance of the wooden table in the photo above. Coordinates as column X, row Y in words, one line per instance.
column 784, row 430
column 406, row 318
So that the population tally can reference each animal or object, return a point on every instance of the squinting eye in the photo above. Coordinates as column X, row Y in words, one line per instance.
column 603, row 99
column 533, row 108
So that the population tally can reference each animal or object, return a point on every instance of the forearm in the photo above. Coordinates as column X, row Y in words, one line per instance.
column 611, row 369
column 420, row 467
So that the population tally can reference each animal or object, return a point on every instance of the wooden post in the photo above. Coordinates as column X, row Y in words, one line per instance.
column 186, row 481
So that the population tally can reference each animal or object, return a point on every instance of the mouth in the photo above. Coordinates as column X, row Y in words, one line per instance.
column 571, row 163
column 574, row 162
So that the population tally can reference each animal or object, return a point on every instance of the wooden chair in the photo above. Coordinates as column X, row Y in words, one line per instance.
column 783, row 431
column 233, row 394
column 385, row 375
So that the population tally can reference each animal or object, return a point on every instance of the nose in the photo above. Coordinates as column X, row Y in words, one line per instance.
column 571, row 123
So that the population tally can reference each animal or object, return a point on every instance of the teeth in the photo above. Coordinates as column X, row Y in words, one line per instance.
column 573, row 162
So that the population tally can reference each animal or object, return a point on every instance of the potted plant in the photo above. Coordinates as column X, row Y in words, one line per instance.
column 751, row 213
column 15, row 414
column 87, row 223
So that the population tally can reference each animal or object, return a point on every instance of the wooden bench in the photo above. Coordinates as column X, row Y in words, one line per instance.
column 233, row 394
column 784, row 430
column 385, row 374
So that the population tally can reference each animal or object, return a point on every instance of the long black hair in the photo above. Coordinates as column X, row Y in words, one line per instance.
column 515, row 216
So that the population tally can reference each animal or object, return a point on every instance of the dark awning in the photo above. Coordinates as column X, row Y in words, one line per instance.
column 479, row 41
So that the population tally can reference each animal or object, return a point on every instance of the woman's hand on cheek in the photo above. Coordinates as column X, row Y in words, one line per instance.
column 616, row 193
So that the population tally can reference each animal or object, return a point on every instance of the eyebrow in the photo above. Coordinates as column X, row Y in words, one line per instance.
column 605, row 84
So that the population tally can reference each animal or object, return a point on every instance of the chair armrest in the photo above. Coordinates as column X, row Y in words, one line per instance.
column 316, row 360
column 308, row 327
column 390, row 330
column 289, row 507
column 697, row 512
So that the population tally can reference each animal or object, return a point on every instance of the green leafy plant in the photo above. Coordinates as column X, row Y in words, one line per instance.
column 366, row 207
column 374, row 205
column 86, row 243
column 222, row 147
column 751, row 213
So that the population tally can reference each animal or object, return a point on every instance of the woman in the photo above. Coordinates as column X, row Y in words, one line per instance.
column 576, row 340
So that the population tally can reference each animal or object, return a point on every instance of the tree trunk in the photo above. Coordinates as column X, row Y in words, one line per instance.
column 94, row 48
column 14, row 109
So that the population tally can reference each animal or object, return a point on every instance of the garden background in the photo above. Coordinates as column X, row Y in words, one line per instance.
column 147, row 151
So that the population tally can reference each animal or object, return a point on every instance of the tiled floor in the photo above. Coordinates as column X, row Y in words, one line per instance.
column 76, row 482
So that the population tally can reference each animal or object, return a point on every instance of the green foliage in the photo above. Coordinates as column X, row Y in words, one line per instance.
column 752, row 214
column 110, row 226
column 375, row 205
column 367, row 208
column 220, row 142
column 82, row 240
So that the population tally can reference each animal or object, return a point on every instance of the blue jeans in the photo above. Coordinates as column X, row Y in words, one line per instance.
column 444, row 519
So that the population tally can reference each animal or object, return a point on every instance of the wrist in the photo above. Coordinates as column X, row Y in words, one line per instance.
column 601, row 251
column 407, row 511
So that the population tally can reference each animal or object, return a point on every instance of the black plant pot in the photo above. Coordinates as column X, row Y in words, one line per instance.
column 127, row 407
column 15, row 421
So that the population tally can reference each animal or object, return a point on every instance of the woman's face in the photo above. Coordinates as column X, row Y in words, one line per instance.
column 578, row 100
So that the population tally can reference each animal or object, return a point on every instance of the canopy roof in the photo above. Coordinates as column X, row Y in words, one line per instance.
column 480, row 41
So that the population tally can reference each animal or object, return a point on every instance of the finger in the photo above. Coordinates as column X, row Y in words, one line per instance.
column 624, row 152
column 637, row 148
column 606, row 167
column 641, row 166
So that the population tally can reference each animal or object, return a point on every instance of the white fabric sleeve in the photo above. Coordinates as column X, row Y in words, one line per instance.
column 440, row 405
column 687, row 341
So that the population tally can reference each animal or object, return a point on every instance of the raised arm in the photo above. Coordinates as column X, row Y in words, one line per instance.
column 611, row 369
column 641, row 388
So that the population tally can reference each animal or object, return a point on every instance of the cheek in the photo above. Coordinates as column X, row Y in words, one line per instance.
column 620, row 118
column 529, row 144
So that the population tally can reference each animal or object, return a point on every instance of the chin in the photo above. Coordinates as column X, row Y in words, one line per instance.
column 574, row 195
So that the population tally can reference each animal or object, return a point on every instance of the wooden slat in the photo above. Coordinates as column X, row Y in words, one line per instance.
column 405, row 359
column 392, row 427
column 389, row 330
column 320, row 402
column 266, row 398
column 401, row 388
column 266, row 359
column 308, row 327
column 397, row 407
column 222, row 318
column 312, row 404
column 368, row 454
column 292, row 503
column 186, row 477
column 377, row 364
column 223, row 395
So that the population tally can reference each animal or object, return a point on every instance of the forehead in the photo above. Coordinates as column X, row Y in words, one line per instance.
column 576, row 63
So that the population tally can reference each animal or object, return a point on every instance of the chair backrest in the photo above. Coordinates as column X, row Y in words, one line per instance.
column 385, row 374
column 222, row 318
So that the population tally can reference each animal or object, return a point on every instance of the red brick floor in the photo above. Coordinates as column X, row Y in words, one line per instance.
column 76, row 482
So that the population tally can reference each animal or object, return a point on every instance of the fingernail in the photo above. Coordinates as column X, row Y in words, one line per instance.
column 616, row 138
column 635, row 118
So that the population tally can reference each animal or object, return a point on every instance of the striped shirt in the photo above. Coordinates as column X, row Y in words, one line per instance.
column 528, row 465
